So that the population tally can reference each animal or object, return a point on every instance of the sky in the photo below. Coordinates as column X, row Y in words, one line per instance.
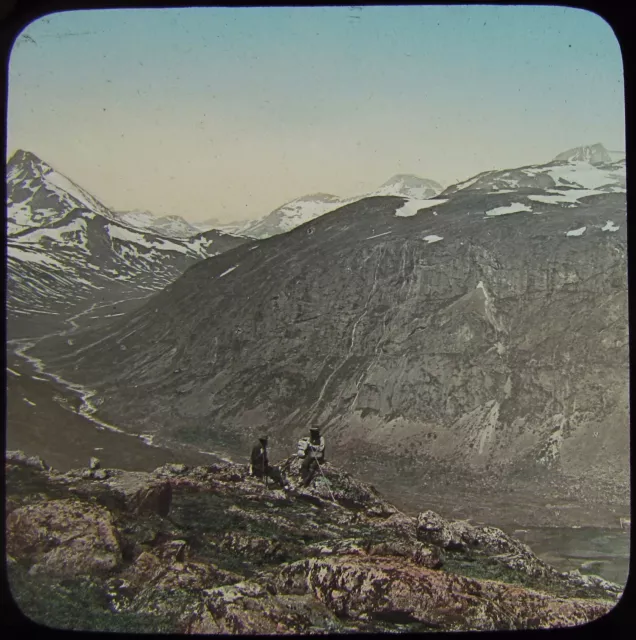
column 228, row 113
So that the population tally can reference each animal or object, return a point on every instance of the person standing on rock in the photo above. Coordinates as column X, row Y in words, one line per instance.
column 312, row 450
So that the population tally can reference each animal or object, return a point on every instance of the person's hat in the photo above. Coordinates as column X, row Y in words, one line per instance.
column 314, row 430
column 262, row 438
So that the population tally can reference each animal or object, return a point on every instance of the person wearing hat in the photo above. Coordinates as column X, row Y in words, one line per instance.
column 312, row 450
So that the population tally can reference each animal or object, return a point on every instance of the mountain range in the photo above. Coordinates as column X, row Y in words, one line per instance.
column 485, row 324
column 284, row 218
column 66, row 250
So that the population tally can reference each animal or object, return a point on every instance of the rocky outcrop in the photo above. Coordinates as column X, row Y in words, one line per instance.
column 64, row 537
column 233, row 556
column 494, row 544
column 396, row 590
column 248, row 608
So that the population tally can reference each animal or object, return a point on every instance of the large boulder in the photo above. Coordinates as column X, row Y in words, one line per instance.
column 64, row 537
column 396, row 589
column 135, row 492
column 20, row 458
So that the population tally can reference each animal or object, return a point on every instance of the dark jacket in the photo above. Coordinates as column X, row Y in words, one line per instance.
column 259, row 463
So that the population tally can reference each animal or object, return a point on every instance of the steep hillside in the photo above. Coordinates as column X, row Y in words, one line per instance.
column 490, row 328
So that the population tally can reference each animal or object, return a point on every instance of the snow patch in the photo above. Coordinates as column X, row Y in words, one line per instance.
column 610, row 226
column 379, row 235
column 412, row 206
column 228, row 271
column 433, row 238
column 127, row 235
column 29, row 402
column 25, row 255
column 576, row 232
column 584, row 175
column 515, row 207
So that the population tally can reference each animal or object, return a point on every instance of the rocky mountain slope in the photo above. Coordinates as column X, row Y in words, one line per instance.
column 212, row 550
column 489, row 327
column 66, row 250
column 301, row 210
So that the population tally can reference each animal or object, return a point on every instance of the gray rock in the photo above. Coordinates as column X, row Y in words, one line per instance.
column 94, row 464
column 35, row 462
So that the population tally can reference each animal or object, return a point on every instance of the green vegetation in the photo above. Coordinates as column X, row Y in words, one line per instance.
column 77, row 604
column 484, row 568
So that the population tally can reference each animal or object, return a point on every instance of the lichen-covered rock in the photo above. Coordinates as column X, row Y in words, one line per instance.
column 344, row 546
column 252, row 546
column 506, row 550
column 16, row 457
column 434, row 529
column 64, row 537
column 247, row 608
column 215, row 564
column 171, row 469
column 399, row 524
column 395, row 587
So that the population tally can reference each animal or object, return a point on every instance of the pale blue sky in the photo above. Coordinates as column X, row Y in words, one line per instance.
column 231, row 112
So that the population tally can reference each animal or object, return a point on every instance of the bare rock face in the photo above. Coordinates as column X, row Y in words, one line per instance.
column 396, row 589
column 64, row 537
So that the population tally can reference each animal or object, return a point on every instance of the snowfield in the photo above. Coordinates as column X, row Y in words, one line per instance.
column 411, row 207
column 515, row 207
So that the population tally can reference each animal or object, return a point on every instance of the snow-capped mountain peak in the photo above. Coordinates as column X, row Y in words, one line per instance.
column 409, row 186
column 27, row 165
column 593, row 154
column 38, row 194
column 308, row 207
column 64, row 246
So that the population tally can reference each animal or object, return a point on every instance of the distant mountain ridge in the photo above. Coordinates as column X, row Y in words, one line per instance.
column 172, row 226
column 309, row 207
